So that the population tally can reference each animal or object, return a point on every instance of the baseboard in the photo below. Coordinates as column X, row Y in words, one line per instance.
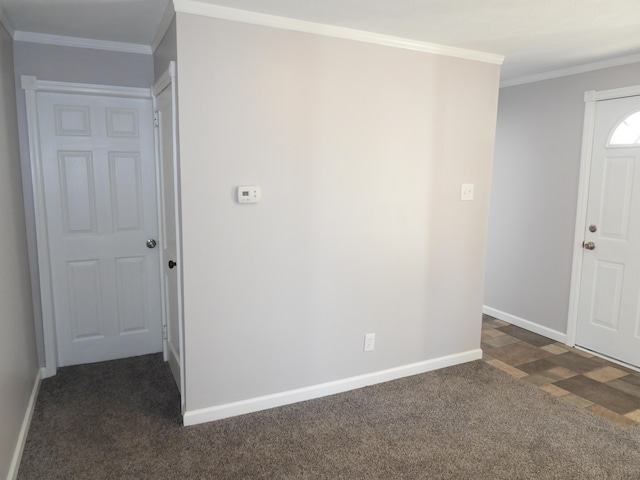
column 526, row 324
column 24, row 430
column 219, row 412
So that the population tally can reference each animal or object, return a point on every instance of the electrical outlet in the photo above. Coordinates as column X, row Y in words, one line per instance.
column 466, row 191
column 369, row 342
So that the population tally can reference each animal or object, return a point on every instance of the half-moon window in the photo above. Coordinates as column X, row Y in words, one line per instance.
column 628, row 131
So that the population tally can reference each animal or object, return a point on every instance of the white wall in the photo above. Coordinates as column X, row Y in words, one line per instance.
column 534, row 194
column 66, row 64
column 18, row 356
column 360, row 151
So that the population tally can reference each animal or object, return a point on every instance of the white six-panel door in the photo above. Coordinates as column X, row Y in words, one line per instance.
column 98, row 170
column 609, row 297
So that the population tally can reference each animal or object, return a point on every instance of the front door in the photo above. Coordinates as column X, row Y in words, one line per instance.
column 98, row 169
column 609, row 298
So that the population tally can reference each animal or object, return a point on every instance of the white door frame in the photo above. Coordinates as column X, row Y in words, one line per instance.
column 168, row 80
column 31, row 85
column 590, row 99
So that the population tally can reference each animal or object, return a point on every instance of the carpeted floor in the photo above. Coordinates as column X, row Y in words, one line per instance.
column 120, row 420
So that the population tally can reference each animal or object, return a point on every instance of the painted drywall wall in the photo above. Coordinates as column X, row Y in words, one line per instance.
column 166, row 51
column 83, row 65
column 360, row 151
column 534, row 194
column 18, row 357
column 66, row 64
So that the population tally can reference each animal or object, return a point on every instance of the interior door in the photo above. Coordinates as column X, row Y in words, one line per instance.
column 98, row 167
column 609, row 299
column 170, row 235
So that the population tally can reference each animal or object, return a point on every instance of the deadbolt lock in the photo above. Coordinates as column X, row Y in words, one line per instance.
column 593, row 228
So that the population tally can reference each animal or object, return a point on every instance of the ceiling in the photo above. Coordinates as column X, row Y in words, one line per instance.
column 536, row 37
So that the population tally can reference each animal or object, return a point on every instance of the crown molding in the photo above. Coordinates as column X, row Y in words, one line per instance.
column 215, row 11
column 6, row 22
column 565, row 72
column 57, row 40
column 165, row 23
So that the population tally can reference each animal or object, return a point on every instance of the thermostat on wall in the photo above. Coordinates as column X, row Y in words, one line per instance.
column 249, row 194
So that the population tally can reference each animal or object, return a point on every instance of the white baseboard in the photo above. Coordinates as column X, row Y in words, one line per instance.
column 24, row 430
column 219, row 412
column 526, row 324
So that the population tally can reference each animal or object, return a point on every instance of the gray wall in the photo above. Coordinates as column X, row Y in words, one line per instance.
column 360, row 151
column 18, row 356
column 166, row 51
column 83, row 65
column 534, row 194
column 66, row 64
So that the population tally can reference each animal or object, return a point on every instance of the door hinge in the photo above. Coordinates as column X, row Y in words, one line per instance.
column 164, row 331
column 156, row 122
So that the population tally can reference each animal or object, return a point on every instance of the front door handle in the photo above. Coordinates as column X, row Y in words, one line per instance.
column 589, row 245
column 172, row 264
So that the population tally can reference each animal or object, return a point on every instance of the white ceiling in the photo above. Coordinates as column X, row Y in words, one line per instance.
column 535, row 36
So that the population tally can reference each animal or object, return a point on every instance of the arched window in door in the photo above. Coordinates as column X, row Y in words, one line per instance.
column 627, row 132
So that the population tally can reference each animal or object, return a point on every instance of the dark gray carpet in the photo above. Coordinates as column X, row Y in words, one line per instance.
column 120, row 420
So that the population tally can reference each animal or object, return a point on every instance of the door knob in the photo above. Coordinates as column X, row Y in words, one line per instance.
column 172, row 264
column 589, row 245
column 151, row 243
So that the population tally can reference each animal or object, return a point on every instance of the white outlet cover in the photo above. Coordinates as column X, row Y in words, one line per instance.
column 466, row 191
column 369, row 342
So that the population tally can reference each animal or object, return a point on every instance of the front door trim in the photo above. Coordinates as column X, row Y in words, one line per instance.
column 31, row 85
column 590, row 99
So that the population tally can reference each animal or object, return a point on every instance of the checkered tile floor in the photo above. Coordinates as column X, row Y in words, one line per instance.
column 602, row 387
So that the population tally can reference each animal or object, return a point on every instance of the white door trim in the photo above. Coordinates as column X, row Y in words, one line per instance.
column 165, row 80
column 590, row 99
column 168, row 80
column 31, row 85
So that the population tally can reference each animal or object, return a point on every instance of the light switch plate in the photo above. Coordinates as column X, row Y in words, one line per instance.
column 249, row 194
